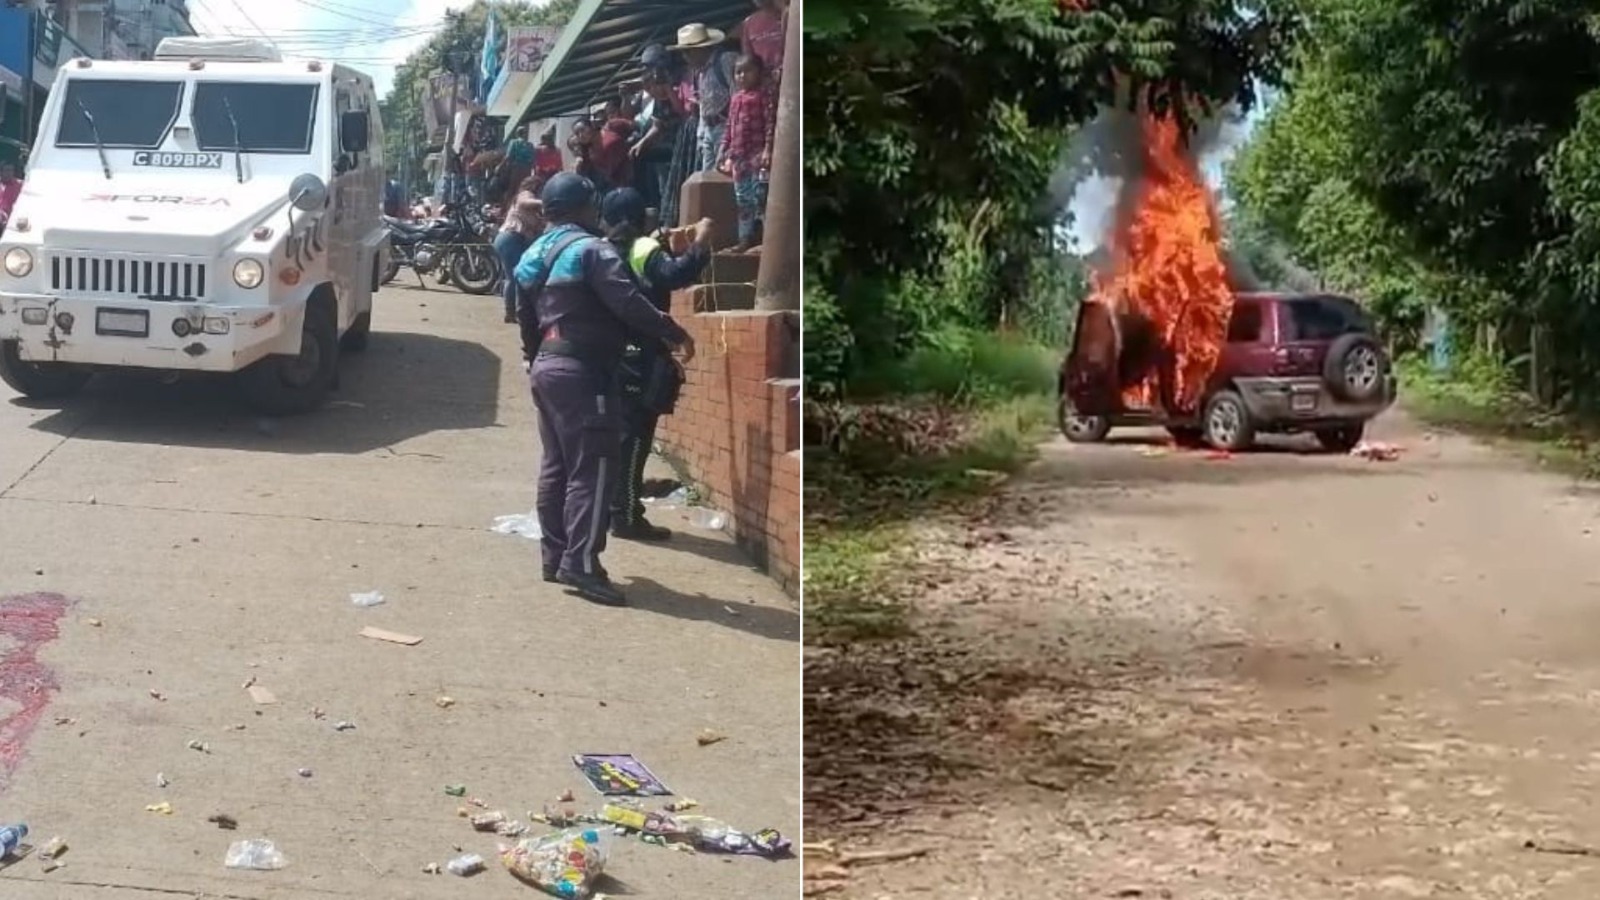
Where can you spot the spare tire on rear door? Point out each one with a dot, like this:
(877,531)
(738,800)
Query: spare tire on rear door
(1355,368)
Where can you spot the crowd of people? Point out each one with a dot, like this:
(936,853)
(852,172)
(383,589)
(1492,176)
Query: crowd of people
(593,253)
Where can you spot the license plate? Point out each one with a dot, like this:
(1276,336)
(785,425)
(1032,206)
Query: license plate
(122,322)
(1303,402)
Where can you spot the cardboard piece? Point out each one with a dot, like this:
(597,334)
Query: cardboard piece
(393,637)
(261,695)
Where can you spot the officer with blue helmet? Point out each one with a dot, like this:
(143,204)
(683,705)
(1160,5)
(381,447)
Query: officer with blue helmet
(579,308)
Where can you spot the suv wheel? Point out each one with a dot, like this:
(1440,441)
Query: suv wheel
(1355,368)
(1226,423)
(1081,429)
(1342,439)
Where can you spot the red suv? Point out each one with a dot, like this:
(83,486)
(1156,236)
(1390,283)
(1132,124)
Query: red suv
(1292,363)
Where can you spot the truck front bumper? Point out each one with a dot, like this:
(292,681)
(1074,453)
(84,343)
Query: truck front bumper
(146,334)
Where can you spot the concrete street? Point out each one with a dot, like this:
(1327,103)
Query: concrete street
(214,546)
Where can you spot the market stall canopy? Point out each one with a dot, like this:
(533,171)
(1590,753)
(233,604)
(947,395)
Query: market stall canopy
(599,50)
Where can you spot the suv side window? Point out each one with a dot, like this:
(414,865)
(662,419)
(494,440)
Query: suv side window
(1324,318)
(1244,326)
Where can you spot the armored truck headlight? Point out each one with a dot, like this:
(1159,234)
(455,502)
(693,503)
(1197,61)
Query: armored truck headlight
(247,273)
(19,262)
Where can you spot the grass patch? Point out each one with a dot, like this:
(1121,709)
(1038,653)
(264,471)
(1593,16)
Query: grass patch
(961,366)
(1479,399)
(860,501)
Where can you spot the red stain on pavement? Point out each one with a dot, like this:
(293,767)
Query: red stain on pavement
(27,623)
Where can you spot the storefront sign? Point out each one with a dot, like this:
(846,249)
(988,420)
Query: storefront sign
(528,46)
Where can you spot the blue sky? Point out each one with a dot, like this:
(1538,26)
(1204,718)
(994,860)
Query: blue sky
(374,36)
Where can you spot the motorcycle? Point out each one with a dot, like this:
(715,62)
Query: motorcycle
(457,246)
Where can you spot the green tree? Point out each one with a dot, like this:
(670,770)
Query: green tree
(457,46)
(933,128)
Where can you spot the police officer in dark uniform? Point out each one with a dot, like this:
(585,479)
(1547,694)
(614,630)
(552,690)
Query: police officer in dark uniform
(644,401)
(579,308)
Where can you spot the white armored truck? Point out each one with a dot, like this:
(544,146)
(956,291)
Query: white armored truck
(215,209)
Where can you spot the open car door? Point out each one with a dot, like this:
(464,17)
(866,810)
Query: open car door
(1089,378)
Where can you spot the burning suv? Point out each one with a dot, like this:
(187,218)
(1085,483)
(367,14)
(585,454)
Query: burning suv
(1291,363)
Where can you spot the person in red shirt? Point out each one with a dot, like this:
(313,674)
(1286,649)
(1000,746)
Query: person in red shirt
(546,158)
(610,165)
(10,190)
(746,151)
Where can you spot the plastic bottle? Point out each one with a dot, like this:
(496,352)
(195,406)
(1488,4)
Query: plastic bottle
(11,838)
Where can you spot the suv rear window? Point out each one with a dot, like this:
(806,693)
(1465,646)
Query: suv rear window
(1324,318)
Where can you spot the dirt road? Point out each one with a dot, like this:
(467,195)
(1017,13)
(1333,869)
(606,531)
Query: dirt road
(1277,676)
(213,547)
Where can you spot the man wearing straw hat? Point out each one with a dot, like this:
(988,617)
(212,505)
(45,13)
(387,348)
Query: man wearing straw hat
(711,63)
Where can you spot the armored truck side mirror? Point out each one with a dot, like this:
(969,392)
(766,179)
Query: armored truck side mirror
(353,128)
(307,193)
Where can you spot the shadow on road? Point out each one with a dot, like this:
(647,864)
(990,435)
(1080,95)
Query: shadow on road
(405,385)
(762,621)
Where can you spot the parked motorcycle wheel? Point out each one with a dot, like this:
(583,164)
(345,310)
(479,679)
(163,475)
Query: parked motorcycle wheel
(475,269)
(390,271)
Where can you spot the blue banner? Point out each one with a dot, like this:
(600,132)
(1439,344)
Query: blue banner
(14,58)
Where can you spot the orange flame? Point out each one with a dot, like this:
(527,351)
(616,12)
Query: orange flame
(1168,275)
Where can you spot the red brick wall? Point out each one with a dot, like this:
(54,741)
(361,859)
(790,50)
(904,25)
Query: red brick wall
(736,430)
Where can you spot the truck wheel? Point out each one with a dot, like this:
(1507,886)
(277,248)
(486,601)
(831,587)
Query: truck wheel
(39,381)
(359,334)
(290,385)
(1342,439)
(1355,368)
(1227,424)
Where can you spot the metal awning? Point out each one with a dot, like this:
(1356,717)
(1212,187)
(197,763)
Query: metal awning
(599,49)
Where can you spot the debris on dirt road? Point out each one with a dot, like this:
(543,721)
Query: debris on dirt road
(368,599)
(161,780)
(224,821)
(393,637)
(707,737)
(304,773)
(157,695)
(444,702)
(53,848)
(466,865)
(163,808)
(619,774)
(95,623)
(1560,848)
(456,790)
(344,726)
(259,855)
(200,746)
(520,525)
(565,863)
(261,695)
(1375,451)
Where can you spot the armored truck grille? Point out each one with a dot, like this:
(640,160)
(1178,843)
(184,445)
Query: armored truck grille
(161,279)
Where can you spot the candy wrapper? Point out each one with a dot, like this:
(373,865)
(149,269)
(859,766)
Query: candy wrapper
(564,864)
(619,774)
(716,836)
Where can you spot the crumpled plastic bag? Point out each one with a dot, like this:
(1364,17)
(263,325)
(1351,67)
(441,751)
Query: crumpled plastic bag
(524,525)
(564,864)
(257,854)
